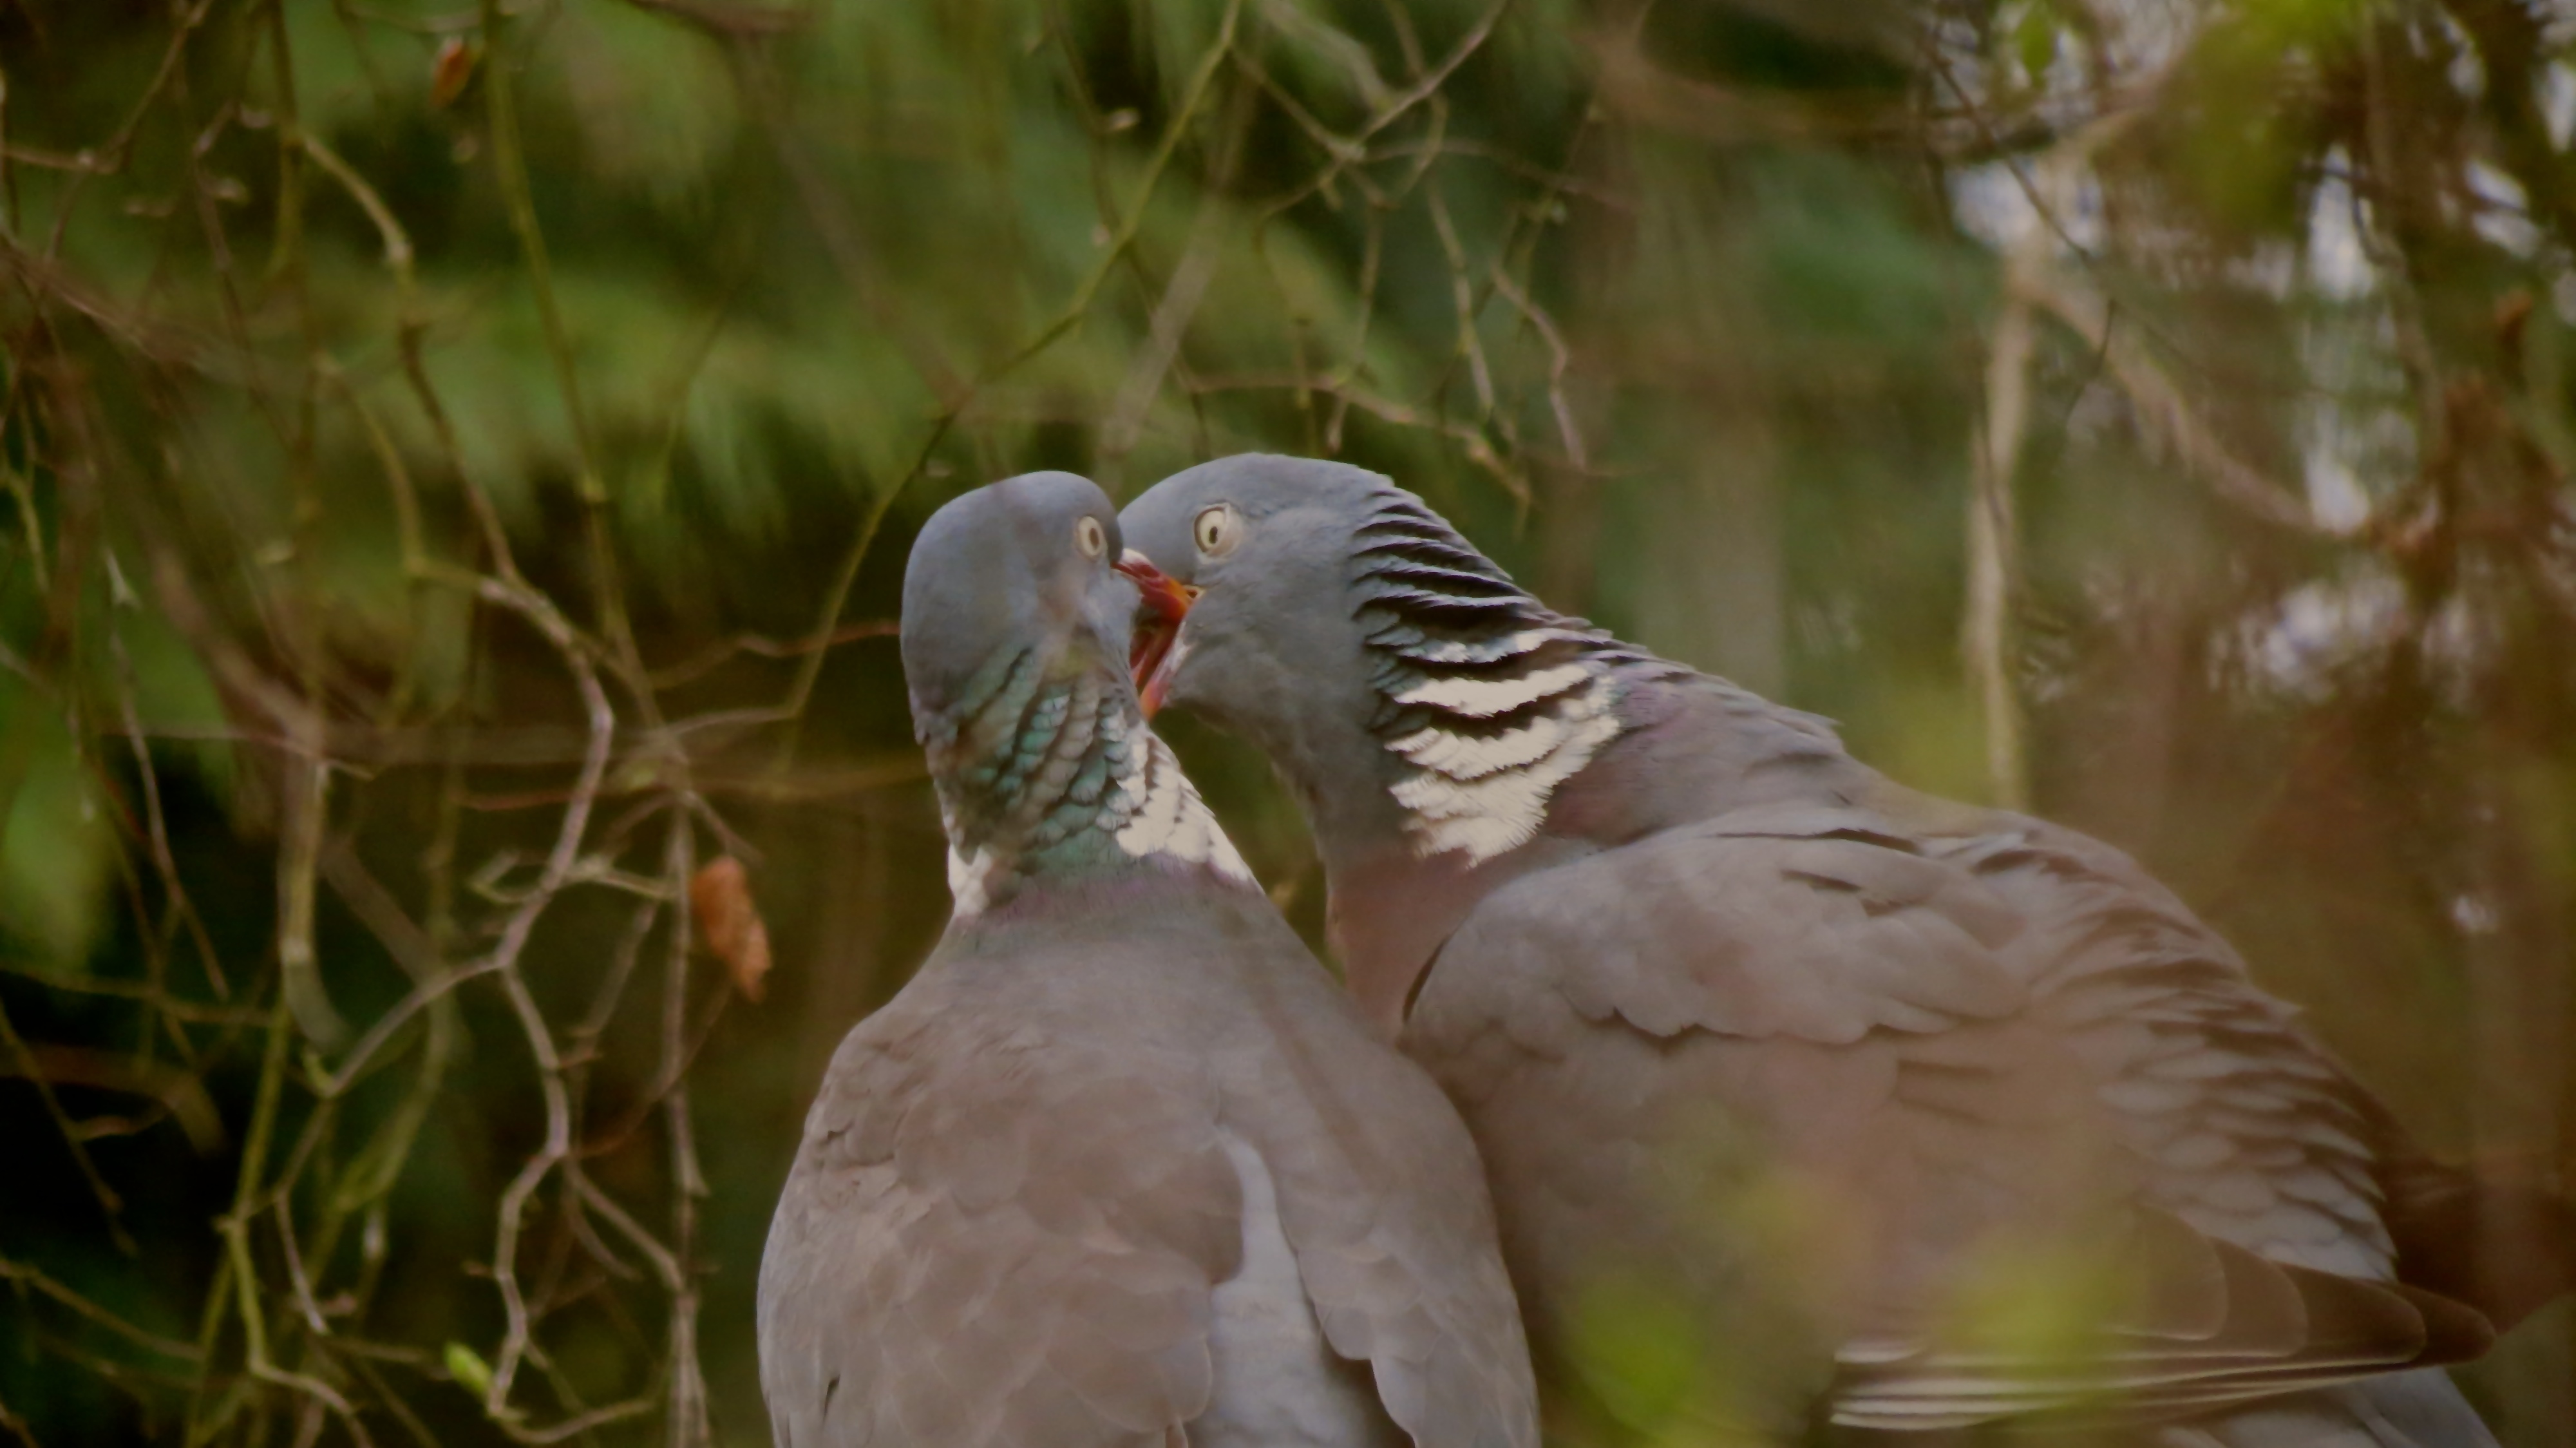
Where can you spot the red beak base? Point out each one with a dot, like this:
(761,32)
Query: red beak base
(1152,656)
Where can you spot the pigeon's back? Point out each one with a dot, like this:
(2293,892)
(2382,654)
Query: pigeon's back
(1130,1172)
(1995,1067)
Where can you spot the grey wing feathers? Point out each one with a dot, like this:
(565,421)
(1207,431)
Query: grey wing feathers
(2401,1410)
(2240,1123)
(1815,936)
(1385,1204)
(945,1269)
(2188,1341)
(1960,1044)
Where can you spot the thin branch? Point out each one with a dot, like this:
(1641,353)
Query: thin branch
(2162,403)
(28,1277)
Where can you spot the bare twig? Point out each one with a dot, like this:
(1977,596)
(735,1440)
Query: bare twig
(2159,400)
(29,1278)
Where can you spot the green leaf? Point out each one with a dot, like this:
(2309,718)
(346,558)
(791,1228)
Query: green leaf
(2035,38)
(470,1371)
(56,850)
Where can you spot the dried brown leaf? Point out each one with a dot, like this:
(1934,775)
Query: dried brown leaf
(730,923)
(453,67)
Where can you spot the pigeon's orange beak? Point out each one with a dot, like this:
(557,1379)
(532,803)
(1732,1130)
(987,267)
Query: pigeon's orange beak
(1152,657)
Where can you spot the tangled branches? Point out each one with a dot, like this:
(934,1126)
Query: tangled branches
(452,453)
(489,806)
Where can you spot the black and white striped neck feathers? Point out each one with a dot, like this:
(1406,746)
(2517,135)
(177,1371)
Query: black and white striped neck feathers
(1487,699)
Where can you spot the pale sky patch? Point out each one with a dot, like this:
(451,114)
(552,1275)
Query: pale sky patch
(2338,265)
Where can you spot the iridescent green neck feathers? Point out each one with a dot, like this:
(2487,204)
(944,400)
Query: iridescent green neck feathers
(1047,772)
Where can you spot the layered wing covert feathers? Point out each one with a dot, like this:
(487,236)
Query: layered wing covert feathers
(1911,1094)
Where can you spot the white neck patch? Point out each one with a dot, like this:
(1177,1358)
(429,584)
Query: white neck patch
(969,880)
(1161,810)
(1487,793)
(1151,810)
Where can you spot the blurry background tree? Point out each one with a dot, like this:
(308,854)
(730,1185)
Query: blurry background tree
(459,459)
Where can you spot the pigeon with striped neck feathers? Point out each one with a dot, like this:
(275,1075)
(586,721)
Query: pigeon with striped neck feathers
(1120,1165)
(1841,1086)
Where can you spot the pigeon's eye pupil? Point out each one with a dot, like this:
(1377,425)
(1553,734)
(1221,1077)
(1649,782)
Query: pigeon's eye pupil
(1090,537)
(1216,530)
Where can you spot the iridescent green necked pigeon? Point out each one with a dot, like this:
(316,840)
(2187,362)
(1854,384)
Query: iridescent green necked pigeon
(1850,1089)
(1120,1165)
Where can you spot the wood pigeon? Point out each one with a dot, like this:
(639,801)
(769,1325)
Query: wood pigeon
(1903,1113)
(1121,1164)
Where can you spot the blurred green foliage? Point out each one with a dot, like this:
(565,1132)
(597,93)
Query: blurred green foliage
(458,458)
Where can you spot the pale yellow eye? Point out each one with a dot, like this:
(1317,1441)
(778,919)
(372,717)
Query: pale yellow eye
(1090,537)
(1216,530)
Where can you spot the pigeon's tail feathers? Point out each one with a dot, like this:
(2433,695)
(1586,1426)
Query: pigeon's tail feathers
(2252,1334)
(2421,1409)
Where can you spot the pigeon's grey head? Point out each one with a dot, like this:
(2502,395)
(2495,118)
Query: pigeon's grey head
(1028,563)
(1398,678)
(1261,547)
(1017,606)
